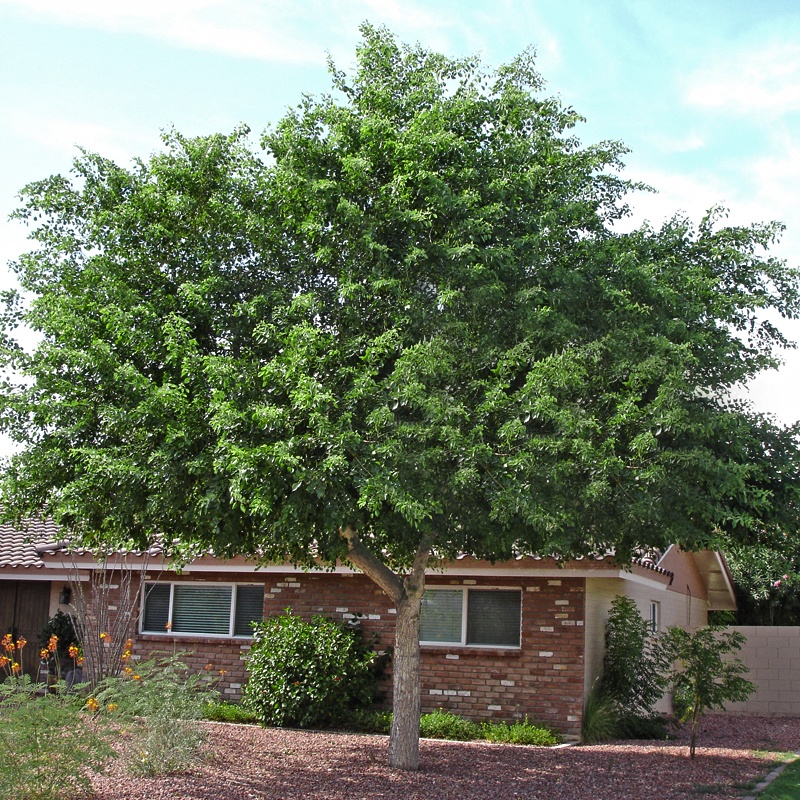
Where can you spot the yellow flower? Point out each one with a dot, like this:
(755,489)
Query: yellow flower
(112,707)
(21,642)
(8,642)
(137,677)
(4,660)
(103,635)
(44,652)
(15,667)
(73,651)
(168,626)
(92,704)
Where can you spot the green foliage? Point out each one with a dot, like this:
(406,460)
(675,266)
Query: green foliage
(228,712)
(447,725)
(634,672)
(164,744)
(162,685)
(600,718)
(365,720)
(520,732)
(307,673)
(48,747)
(767,580)
(161,700)
(443,724)
(705,676)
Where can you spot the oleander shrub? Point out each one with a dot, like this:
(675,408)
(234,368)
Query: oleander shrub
(308,673)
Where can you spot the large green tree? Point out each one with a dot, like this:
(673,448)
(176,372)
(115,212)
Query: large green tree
(409,331)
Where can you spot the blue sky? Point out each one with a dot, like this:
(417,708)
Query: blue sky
(705,93)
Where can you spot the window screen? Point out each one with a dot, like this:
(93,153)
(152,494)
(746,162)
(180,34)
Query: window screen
(156,607)
(201,609)
(249,609)
(440,620)
(493,617)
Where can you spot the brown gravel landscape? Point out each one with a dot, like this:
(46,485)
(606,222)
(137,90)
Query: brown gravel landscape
(250,762)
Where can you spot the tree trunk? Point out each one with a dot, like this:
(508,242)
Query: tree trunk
(404,736)
(406,593)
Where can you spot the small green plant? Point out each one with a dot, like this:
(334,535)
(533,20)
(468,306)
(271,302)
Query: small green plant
(600,718)
(58,643)
(50,743)
(446,725)
(308,673)
(228,712)
(705,676)
(161,699)
(520,732)
(365,720)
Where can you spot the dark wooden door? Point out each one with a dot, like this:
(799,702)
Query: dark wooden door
(24,611)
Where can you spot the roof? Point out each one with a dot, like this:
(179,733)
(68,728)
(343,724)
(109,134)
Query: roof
(18,547)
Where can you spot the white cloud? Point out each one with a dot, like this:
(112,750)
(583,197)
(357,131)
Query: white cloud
(760,78)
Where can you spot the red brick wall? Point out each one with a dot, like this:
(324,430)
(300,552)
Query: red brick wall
(542,680)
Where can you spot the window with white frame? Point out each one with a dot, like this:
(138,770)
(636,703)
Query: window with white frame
(207,609)
(477,617)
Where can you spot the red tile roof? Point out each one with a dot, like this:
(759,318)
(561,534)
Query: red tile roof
(18,547)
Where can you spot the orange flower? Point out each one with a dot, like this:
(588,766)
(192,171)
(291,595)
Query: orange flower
(73,651)
(223,672)
(4,661)
(209,666)
(129,644)
(8,642)
(168,626)
(112,707)
(128,671)
(92,704)
(103,635)
(44,652)
(137,677)
(80,661)
(52,645)
(15,667)
(21,642)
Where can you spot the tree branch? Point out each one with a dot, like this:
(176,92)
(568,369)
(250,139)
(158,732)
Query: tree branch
(363,558)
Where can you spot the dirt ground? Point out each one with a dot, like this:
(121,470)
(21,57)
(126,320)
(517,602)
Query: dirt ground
(250,762)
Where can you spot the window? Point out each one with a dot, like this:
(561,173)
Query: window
(655,617)
(208,609)
(478,617)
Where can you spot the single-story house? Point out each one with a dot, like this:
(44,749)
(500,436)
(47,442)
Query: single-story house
(503,640)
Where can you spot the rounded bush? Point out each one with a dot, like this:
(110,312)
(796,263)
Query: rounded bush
(307,673)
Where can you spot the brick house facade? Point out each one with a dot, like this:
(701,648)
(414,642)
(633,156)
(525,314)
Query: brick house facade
(544,673)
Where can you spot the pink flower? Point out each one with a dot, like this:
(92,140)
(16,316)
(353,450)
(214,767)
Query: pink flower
(777,583)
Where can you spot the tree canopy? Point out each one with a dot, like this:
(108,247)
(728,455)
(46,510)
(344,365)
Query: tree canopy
(412,321)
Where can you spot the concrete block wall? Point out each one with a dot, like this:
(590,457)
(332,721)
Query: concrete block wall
(773,656)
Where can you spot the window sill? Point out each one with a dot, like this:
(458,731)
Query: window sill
(474,651)
(192,638)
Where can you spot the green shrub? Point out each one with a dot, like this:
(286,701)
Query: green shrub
(446,725)
(364,720)
(522,732)
(162,699)
(228,712)
(48,746)
(307,673)
(164,745)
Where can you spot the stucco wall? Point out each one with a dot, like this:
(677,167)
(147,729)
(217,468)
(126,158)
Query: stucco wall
(773,656)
